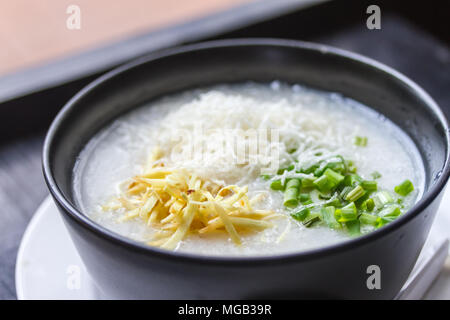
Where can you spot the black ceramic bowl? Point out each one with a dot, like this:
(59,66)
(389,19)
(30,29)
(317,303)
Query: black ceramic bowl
(123,268)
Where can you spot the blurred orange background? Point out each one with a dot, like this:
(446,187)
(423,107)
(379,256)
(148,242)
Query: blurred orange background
(35,32)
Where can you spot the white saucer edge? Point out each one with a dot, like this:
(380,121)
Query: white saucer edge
(428,267)
(25,238)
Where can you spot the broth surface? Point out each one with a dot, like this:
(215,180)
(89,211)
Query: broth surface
(120,151)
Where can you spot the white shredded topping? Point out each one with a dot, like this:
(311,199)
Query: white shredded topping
(216,118)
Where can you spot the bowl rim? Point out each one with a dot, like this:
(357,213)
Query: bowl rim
(249,261)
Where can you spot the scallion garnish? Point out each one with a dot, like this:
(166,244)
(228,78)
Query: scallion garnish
(289,168)
(308,182)
(344,192)
(303,197)
(369,219)
(277,185)
(390,211)
(328,217)
(334,202)
(352,180)
(381,221)
(354,228)
(347,213)
(350,166)
(382,198)
(311,219)
(291,193)
(360,141)
(405,188)
(368,205)
(355,193)
(369,185)
(331,191)
(322,183)
(334,177)
(301,214)
(376,175)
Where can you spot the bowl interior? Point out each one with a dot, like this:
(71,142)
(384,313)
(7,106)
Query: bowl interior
(247,60)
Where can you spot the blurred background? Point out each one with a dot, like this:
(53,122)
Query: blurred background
(50,49)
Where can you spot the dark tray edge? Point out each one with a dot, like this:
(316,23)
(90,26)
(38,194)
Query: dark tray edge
(99,60)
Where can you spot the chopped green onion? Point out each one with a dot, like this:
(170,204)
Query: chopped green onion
(301,214)
(390,211)
(310,169)
(360,201)
(354,228)
(360,141)
(404,188)
(293,183)
(347,213)
(381,221)
(345,191)
(352,180)
(290,198)
(350,166)
(311,219)
(368,205)
(335,203)
(376,175)
(303,197)
(315,195)
(355,194)
(308,182)
(291,193)
(332,164)
(382,198)
(369,185)
(339,167)
(319,171)
(289,168)
(334,177)
(277,185)
(325,196)
(369,219)
(328,217)
(332,192)
(322,183)
(328,181)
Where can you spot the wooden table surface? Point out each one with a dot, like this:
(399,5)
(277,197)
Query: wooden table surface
(35,32)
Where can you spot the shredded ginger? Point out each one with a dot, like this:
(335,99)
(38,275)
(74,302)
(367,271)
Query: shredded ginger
(176,202)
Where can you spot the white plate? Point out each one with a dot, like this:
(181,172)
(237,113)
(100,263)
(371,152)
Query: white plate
(49,267)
